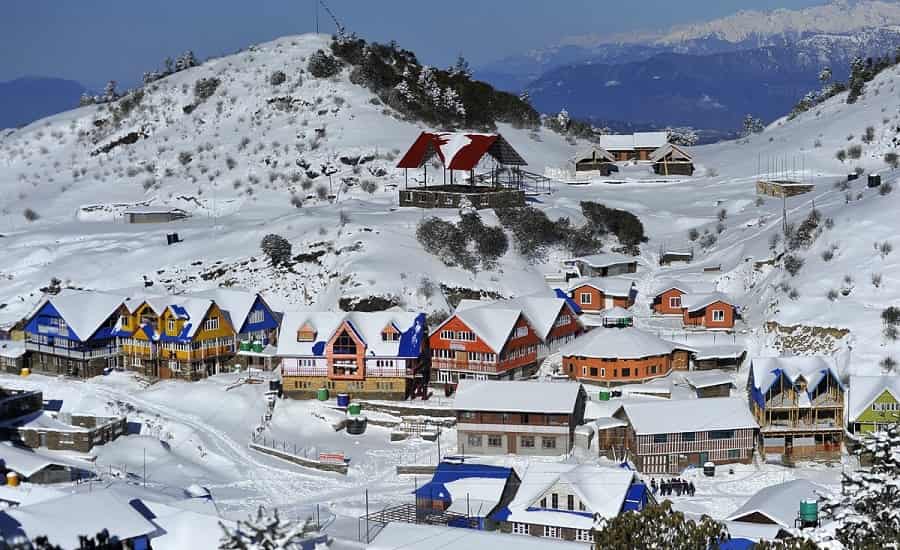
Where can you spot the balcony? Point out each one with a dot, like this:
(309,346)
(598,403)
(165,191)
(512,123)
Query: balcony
(466,366)
(80,354)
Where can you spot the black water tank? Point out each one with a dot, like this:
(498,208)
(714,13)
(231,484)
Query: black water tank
(874,180)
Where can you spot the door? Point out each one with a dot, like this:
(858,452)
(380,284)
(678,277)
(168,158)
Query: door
(608,302)
(462,359)
(704,458)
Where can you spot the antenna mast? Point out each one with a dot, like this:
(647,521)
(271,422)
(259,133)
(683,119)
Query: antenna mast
(340,30)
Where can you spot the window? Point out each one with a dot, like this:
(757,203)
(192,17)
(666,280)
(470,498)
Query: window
(524,418)
(626,371)
(554,501)
(474,440)
(718,315)
(721,434)
(551,532)
(548,442)
(171,325)
(688,436)
(584,535)
(526,442)
(660,438)
(674,302)
(652,369)
(581,507)
(519,529)
(344,345)
(521,332)
(586,298)
(465,336)
(734,453)
(495,441)
(593,371)
(211,324)
(570,502)
(257,316)
(602,373)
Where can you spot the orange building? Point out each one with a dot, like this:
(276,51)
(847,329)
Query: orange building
(622,356)
(667,301)
(601,293)
(485,343)
(712,311)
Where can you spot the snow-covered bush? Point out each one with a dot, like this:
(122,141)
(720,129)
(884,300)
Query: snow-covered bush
(621,223)
(892,159)
(322,65)
(205,88)
(854,152)
(446,241)
(841,155)
(876,279)
(885,189)
(693,234)
(30,214)
(792,264)
(277,78)
(277,248)
(267,531)
(708,240)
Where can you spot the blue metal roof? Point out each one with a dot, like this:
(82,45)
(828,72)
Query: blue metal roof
(447,472)
(318,348)
(736,544)
(411,340)
(636,498)
(565,296)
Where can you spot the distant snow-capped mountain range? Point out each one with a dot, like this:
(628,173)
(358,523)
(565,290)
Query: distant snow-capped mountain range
(778,54)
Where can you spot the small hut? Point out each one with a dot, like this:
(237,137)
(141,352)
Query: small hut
(672,160)
(491,168)
(597,161)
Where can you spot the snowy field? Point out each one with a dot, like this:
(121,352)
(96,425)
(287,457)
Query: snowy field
(240,185)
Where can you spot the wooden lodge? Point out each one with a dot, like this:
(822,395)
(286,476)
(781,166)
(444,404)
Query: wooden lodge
(672,160)
(637,146)
(599,293)
(596,161)
(799,404)
(481,170)
(783,188)
(524,418)
(667,436)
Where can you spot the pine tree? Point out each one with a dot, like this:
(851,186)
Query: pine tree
(109,93)
(277,248)
(866,509)
(461,67)
(752,125)
(658,526)
(266,531)
(186,61)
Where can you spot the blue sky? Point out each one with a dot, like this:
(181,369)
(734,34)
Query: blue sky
(95,40)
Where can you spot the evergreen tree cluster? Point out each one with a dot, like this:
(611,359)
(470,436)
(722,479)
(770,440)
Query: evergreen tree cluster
(469,244)
(277,249)
(267,531)
(535,233)
(170,66)
(443,98)
(562,123)
(621,223)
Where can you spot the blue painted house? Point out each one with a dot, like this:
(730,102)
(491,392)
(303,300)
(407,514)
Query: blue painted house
(468,493)
(73,333)
(565,501)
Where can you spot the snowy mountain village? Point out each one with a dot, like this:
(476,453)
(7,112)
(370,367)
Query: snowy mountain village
(316,294)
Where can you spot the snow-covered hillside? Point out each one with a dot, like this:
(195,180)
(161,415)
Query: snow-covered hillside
(311,159)
(257,153)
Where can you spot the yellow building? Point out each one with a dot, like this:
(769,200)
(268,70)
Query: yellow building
(176,337)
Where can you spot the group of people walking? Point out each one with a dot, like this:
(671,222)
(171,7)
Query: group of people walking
(674,486)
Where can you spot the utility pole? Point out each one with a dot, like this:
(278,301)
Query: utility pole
(316,4)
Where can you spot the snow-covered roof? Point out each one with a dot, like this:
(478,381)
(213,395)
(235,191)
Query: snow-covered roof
(493,325)
(780,503)
(541,310)
(752,531)
(27,493)
(501,396)
(154,210)
(460,151)
(41,420)
(685,287)
(63,520)
(157,302)
(12,349)
(368,326)
(707,378)
(695,302)
(413,536)
(598,153)
(237,303)
(192,310)
(475,497)
(84,310)
(604,259)
(623,343)
(630,142)
(719,352)
(26,461)
(602,490)
(613,286)
(181,528)
(689,415)
(677,153)
(811,368)
(864,390)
